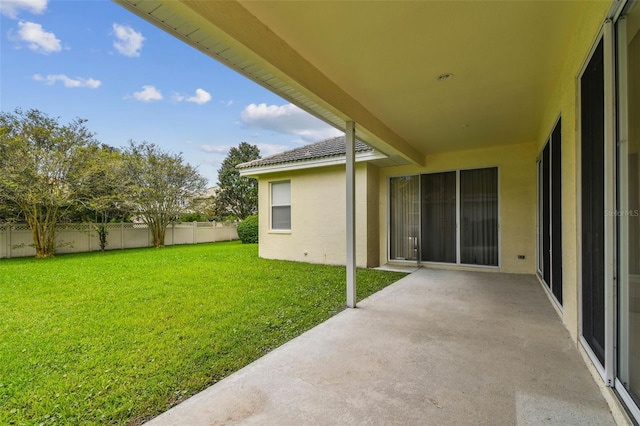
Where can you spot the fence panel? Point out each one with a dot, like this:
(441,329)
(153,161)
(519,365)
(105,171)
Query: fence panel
(75,238)
(4,235)
(206,232)
(135,235)
(182,234)
(16,240)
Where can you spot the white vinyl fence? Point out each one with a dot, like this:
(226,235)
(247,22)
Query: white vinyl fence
(16,240)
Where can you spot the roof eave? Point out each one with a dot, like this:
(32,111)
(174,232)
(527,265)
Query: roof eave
(229,33)
(310,164)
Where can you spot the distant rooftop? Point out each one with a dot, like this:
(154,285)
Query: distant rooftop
(334,147)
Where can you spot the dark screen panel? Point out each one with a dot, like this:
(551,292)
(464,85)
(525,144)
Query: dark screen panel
(556,217)
(592,185)
(546,217)
(439,217)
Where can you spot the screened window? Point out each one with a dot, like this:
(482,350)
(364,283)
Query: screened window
(281,205)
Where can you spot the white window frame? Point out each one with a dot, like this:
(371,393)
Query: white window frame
(272,205)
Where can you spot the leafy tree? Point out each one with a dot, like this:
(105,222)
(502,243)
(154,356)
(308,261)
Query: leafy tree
(238,195)
(41,163)
(160,185)
(101,189)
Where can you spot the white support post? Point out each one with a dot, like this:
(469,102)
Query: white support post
(351,213)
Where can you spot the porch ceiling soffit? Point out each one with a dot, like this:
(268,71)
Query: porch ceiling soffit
(377,63)
(229,33)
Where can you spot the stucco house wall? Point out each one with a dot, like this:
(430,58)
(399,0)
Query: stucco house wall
(318,219)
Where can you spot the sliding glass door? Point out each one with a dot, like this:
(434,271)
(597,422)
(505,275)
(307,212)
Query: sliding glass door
(479,217)
(448,217)
(404,217)
(593,203)
(628,214)
(439,217)
(550,213)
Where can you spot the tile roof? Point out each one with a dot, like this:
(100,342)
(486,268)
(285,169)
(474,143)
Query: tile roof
(333,147)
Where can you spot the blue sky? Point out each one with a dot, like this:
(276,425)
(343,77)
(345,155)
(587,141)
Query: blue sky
(130,80)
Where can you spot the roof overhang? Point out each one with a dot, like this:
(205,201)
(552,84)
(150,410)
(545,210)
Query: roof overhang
(378,63)
(309,164)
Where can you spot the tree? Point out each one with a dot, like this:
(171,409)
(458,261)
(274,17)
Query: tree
(238,195)
(41,162)
(160,185)
(100,193)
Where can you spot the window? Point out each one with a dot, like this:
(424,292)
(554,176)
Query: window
(281,205)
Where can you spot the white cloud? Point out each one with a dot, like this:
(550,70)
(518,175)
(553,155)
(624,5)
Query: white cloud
(201,97)
(148,94)
(37,38)
(51,79)
(128,41)
(11,8)
(287,119)
(267,149)
(215,149)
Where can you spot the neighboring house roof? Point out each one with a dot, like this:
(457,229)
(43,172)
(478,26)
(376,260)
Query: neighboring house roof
(328,149)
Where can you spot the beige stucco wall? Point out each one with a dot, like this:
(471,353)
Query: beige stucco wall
(517,199)
(563,101)
(318,216)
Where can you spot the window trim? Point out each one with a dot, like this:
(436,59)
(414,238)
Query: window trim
(272,205)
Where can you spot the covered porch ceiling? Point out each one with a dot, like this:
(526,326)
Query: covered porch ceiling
(378,63)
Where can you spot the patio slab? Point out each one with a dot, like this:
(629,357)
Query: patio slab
(437,347)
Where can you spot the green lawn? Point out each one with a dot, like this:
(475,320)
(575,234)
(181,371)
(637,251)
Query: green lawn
(121,336)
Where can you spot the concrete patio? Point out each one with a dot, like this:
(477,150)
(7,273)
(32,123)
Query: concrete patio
(437,347)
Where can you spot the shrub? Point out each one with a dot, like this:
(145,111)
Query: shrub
(248,230)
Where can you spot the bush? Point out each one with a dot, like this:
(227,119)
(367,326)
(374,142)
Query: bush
(248,230)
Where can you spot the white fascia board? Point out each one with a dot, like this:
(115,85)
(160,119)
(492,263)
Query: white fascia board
(309,164)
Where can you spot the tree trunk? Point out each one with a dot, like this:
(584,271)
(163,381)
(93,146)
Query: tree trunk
(43,237)
(157,233)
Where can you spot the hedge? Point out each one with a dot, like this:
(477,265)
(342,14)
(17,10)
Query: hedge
(248,230)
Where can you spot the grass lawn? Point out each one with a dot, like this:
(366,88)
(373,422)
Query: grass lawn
(121,336)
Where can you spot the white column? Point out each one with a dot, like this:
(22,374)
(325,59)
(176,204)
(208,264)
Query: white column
(351,213)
